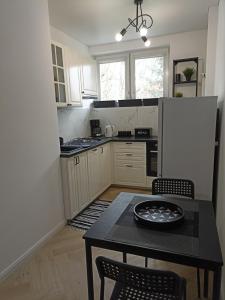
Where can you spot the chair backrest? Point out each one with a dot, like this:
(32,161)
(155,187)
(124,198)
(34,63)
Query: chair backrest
(181,187)
(155,281)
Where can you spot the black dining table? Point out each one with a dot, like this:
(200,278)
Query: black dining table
(194,242)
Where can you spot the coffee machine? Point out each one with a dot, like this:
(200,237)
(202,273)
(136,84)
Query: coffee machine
(96,130)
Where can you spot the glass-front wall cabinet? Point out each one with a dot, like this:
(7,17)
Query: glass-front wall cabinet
(59,74)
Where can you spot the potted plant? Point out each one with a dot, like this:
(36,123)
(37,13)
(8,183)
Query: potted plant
(188,73)
(179,95)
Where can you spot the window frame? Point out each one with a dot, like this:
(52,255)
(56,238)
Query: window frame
(129,59)
(110,59)
(156,52)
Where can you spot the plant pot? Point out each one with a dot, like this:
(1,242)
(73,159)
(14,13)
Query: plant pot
(188,77)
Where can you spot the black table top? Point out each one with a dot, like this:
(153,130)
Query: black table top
(194,243)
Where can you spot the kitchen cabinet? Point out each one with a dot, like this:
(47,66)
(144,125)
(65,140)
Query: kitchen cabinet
(75,184)
(74,78)
(88,175)
(89,78)
(59,74)
(94,172)
(105,167)
(75,75)
(130,163)
(99,170)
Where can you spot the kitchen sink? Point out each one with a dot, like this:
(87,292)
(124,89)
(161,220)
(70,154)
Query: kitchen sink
(81,143)
(69,148)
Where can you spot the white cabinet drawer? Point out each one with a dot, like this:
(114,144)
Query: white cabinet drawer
(129,157)
(130,164)
(129,147)
(134,176)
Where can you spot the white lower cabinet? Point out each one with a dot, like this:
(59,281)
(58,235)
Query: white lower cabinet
(89,174)
(93,173)
(130,163)
(99,170)
(75,184)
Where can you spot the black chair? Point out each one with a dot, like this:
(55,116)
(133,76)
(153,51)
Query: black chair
(180,187)
(139,283)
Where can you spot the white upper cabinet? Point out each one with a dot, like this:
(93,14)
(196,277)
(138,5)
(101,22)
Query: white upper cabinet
(59,73)
(75,75)
(89,78)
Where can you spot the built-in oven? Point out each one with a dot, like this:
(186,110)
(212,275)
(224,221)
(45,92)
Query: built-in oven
(152,157)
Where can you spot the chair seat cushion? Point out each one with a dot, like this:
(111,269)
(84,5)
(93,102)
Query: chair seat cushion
(121,292)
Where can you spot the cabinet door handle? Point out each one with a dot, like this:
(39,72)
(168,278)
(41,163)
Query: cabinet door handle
(129,143)
(102,149)
(129,154)
(129,166)
(78,160)
(75,161)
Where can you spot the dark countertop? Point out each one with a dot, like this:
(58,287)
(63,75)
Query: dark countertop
(105,140)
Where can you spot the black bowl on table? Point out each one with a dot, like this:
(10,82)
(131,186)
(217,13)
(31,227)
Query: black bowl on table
(158,214)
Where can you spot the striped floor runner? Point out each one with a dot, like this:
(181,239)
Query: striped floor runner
(90,215)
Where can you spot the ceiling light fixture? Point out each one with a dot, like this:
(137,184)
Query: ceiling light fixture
(141,23)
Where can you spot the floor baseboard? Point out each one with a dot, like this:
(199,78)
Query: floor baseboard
(20,260)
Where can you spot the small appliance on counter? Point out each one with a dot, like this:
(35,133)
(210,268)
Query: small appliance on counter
(124,133)
(110,130)
(96,130)
(143,132)
(61,141)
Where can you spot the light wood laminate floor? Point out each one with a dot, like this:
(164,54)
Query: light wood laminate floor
(57,270)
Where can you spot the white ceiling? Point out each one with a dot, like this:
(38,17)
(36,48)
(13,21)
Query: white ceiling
(94,22)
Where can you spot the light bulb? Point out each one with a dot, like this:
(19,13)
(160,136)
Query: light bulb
(118,37)
(143,31)
(147,43)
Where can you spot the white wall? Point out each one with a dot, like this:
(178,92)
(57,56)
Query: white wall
(182,45)
(66,40)
(211,50)
(128,118)
(220,91)
(31,199)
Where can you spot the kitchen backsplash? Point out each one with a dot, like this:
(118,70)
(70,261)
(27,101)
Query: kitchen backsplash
(128,118)
(74,122)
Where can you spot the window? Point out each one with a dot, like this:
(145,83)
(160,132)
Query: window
(136,75)
(113,74)
(112,80)
(149,77)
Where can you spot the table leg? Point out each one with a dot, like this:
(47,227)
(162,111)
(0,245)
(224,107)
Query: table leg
(206,283)
(89,267)
(124,257)
(216,284)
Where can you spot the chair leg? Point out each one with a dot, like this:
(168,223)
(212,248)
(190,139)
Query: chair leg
(124,257)
(199,283)
(206,283)
(185,292)
(102,289)
(146,262)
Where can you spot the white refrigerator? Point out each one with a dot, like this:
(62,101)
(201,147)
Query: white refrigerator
(186,146)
